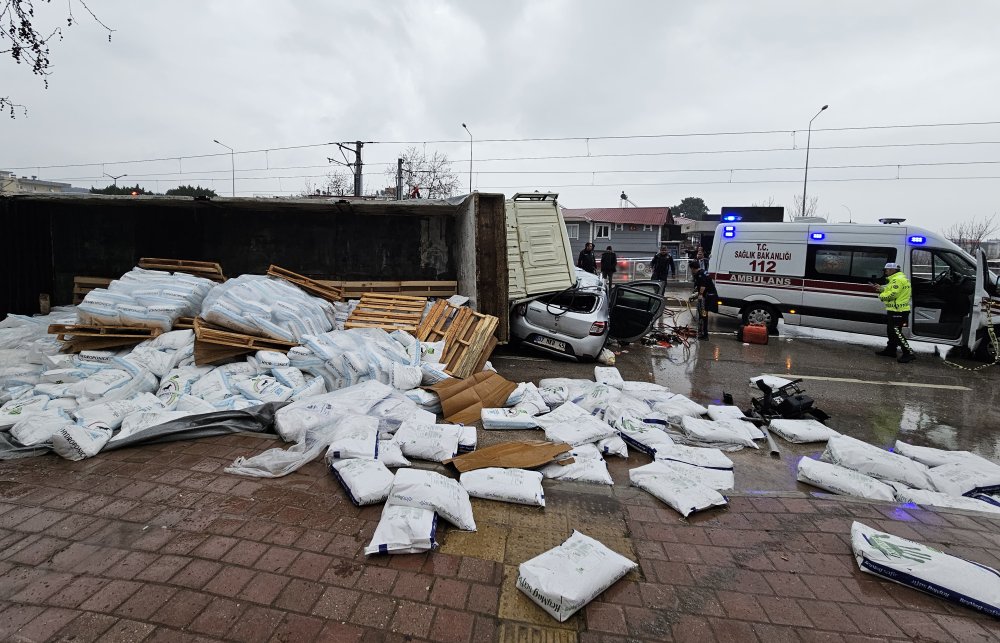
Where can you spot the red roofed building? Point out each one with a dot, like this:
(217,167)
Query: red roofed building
(632,232)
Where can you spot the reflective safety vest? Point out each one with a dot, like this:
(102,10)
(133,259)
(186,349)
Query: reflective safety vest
(896,294)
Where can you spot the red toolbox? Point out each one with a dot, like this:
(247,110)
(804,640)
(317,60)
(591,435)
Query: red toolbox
(754,334)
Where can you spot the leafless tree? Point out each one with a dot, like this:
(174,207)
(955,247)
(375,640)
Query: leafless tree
(20,35)
(333,184)
(971,233)
(810,209)
(431,174)
(768,203)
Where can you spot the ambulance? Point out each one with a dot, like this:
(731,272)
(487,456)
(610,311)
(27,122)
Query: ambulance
(818,274)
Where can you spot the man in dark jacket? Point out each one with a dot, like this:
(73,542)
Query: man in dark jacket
(662,264)
(609,265)
(708,296)
(586,261)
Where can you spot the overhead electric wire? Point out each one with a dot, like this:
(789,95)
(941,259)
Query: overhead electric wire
(754,182)
(505,140)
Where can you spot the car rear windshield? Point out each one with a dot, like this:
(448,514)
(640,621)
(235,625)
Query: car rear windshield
(573,301)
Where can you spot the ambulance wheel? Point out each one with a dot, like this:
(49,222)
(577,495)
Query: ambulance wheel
(761,313)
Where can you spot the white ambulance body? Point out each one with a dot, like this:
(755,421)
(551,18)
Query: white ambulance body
(819,275)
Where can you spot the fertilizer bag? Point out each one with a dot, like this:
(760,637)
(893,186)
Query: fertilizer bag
(506,485)
(837,479)
(802,431)
(926,569)
(403,530)
(682,493)
(873,461)
(564,579)
(433,491)
(366,481)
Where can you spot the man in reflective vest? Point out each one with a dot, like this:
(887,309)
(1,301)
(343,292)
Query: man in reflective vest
(895,295)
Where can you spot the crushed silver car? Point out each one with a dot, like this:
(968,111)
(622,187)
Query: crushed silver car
(579,321)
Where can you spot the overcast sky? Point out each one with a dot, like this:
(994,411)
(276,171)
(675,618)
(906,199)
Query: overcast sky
(262,74)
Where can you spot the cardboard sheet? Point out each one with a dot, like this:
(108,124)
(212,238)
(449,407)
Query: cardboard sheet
(462,401)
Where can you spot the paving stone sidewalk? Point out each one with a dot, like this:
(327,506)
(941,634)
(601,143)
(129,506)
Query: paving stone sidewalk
(158,544)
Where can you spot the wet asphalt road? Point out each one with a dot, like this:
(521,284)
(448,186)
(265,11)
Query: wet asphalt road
(868,397)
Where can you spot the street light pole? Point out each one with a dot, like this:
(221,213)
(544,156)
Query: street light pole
(115,178)
(232,161)
(470,157)
(805,180)
(850,215)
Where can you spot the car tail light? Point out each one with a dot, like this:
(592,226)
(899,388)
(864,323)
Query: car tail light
(598,328)
(521,309)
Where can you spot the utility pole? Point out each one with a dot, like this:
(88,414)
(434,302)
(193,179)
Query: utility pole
(358,186)
(399,179)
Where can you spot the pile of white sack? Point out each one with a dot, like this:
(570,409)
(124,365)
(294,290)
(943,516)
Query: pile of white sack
(268,307)
(908,474)
(147,298)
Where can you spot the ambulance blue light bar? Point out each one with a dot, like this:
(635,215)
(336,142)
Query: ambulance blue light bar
(729,231)
(817,236)
(732,217)
(918,240)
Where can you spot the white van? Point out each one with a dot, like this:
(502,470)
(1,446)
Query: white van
(819,275)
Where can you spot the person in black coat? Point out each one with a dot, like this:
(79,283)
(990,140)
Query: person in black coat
(586,261)
(609,265)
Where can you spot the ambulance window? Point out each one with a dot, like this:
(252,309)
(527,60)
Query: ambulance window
(847,263)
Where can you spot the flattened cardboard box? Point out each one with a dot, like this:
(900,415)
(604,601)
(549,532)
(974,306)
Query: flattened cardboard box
(463,400)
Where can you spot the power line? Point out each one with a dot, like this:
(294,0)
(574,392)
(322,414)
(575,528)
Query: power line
(753,182)
(180,158)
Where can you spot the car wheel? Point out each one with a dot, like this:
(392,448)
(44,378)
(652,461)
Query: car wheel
(761,313)
(986,351)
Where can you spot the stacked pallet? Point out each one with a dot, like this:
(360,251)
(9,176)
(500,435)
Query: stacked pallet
(83,285)
(468,336)
(355,289)
(388,312)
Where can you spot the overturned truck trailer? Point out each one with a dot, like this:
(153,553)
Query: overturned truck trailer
(54,239)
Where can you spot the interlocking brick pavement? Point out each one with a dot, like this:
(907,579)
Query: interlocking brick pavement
(159,544)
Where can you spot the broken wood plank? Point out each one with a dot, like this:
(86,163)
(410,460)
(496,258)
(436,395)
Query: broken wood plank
(207,269)
(208,353)
(208,333)
(83,285)
(139,333)
(390,312)
(311,286)
(520,454)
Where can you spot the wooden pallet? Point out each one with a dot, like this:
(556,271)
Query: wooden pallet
(311,286)
(214,343)
(184,323)
(467,341)
(92,337)
(206,269)
(355,289)
(435,324)
(83,285)
(388,312)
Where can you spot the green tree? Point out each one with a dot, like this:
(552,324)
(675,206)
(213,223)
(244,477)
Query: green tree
(190,190)
(120,190)
(692,207)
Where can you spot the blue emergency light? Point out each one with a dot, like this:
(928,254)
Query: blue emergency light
(817,236)
(732,217)
(729,231)
(918,240)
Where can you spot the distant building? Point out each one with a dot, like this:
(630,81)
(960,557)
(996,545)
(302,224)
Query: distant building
(10,183)
(632,232)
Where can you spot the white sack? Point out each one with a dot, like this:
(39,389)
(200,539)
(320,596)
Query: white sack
(724,412)
(573,425)
(614,445)
(40,427)
(294,420)
(554,396)
(590,470)
(564,579)
(403,530)
(435,492)
(681,492)
(966,476)
(507,419)
(532,401)
(467,438)
(873,461)
(630,386)
(391,455)
(506,485)
(718,479)
(837,479)
(718,432)
(926,569)
(75,442)
(17,409)
(802,431)
(609,376)
(265,389)
(110,415)
(434,442)
(697,456)
(140,420)
(935,457)
(938,499)
(366,482)
(353,436)
(647,438)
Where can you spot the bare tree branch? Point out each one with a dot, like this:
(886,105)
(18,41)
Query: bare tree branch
(810,209)
(970,234)
(430,174)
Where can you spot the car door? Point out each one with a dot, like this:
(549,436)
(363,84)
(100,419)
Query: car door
(634,308)
(981,302)
(944,284)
